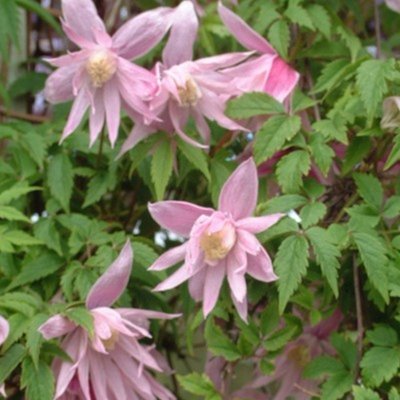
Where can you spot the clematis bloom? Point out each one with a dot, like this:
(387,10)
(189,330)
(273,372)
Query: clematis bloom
(220,242)
(4,331)
(99,76)
(187,88)
(112,363)
(266,72)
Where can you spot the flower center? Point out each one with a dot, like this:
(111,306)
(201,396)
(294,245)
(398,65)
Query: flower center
(190,93)
(218,244)
(300,355)
(101,66)
(109,343)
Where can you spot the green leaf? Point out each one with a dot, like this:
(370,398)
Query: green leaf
(334,129)
(98,187)
(253,104)
(322,365)
(280,338)
(322,153)
(269,318)
(46,231)
(279,36)
(61,179)
(361,393)
(15,192)
(371,82)
(39,382)
(394,155)
(380,364)
(291,168)
(161,167)
(21,302)
(311,213)
(10,360)
(273,135)
(370,189)
(43,266)
(283,203)
(346,349)
(392,207)
(12,214)
(337,385)
(31,5)
(331,74)
(291,265)
(9,26)
(199,384)
(358,149)
(36,146)
(220,344)
(298,15)
(82,317)
(320,19)
(327,256)
(34,338)
(195,156)
(394,394)
(383,335)
(21,238)
(373,256)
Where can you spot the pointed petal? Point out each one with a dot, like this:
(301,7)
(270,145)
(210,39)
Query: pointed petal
(112,105)
(81,16)
(138,313)
(56,326)
(248,242)
(177,216)
(98,375)
(246,36)
(202,126)
(236,269)
(96,118)
(241,307)
(4,329)
(196,284)
(169,258)
(141,33)
(212,286)
(178,277)
(59,85)
(222,60)
(259,224)
(260,267)
(239,193)
(179,47)
(83,375)
(139,132)
(109,287)
(281,80)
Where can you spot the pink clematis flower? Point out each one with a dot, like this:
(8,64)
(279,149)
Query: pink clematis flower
(110,364)
(4,331)
(187,88)
(265,73)
(221,242)
(99,76)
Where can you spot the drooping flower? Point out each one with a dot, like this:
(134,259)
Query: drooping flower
(112,363)
(221,242)
(266,72)
(4,331)
(100,75)
(391,113)
(393,5)
(188,88)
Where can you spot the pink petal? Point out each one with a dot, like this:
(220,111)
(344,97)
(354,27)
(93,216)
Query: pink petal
(202,126)
(59,85)
(177,216)
(179,47)
(79,107)
(56,326)
(260,267)
(145,314)
(212,286)
(246,36)
(141,33)
(98,375)
(109,287)
(222,60)
(196,284)
(81,16)
(96,118)
(115,380)
(239,193)
(281,80)
(178,277)
(169,258)
(112,105)
(248,242)
(76,38)
(83,375)
(241,307)
(259,224)
(393,4)
(4,329)
(236,269)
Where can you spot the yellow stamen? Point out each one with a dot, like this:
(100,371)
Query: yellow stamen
(217,245)
(101,66)
(109,343)
(189,94)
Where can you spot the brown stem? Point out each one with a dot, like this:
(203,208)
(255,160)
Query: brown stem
(24,116)
(378,36)
(360,324)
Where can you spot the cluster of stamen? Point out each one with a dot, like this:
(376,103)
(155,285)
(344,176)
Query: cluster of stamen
(110,343)
(217,245)
(101,66)
(189,94)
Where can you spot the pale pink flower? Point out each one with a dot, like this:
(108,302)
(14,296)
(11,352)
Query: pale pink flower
(393,5)
(4,331)
(111,364)
(99,76)
(187,88)
(221,242)
(262,73)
